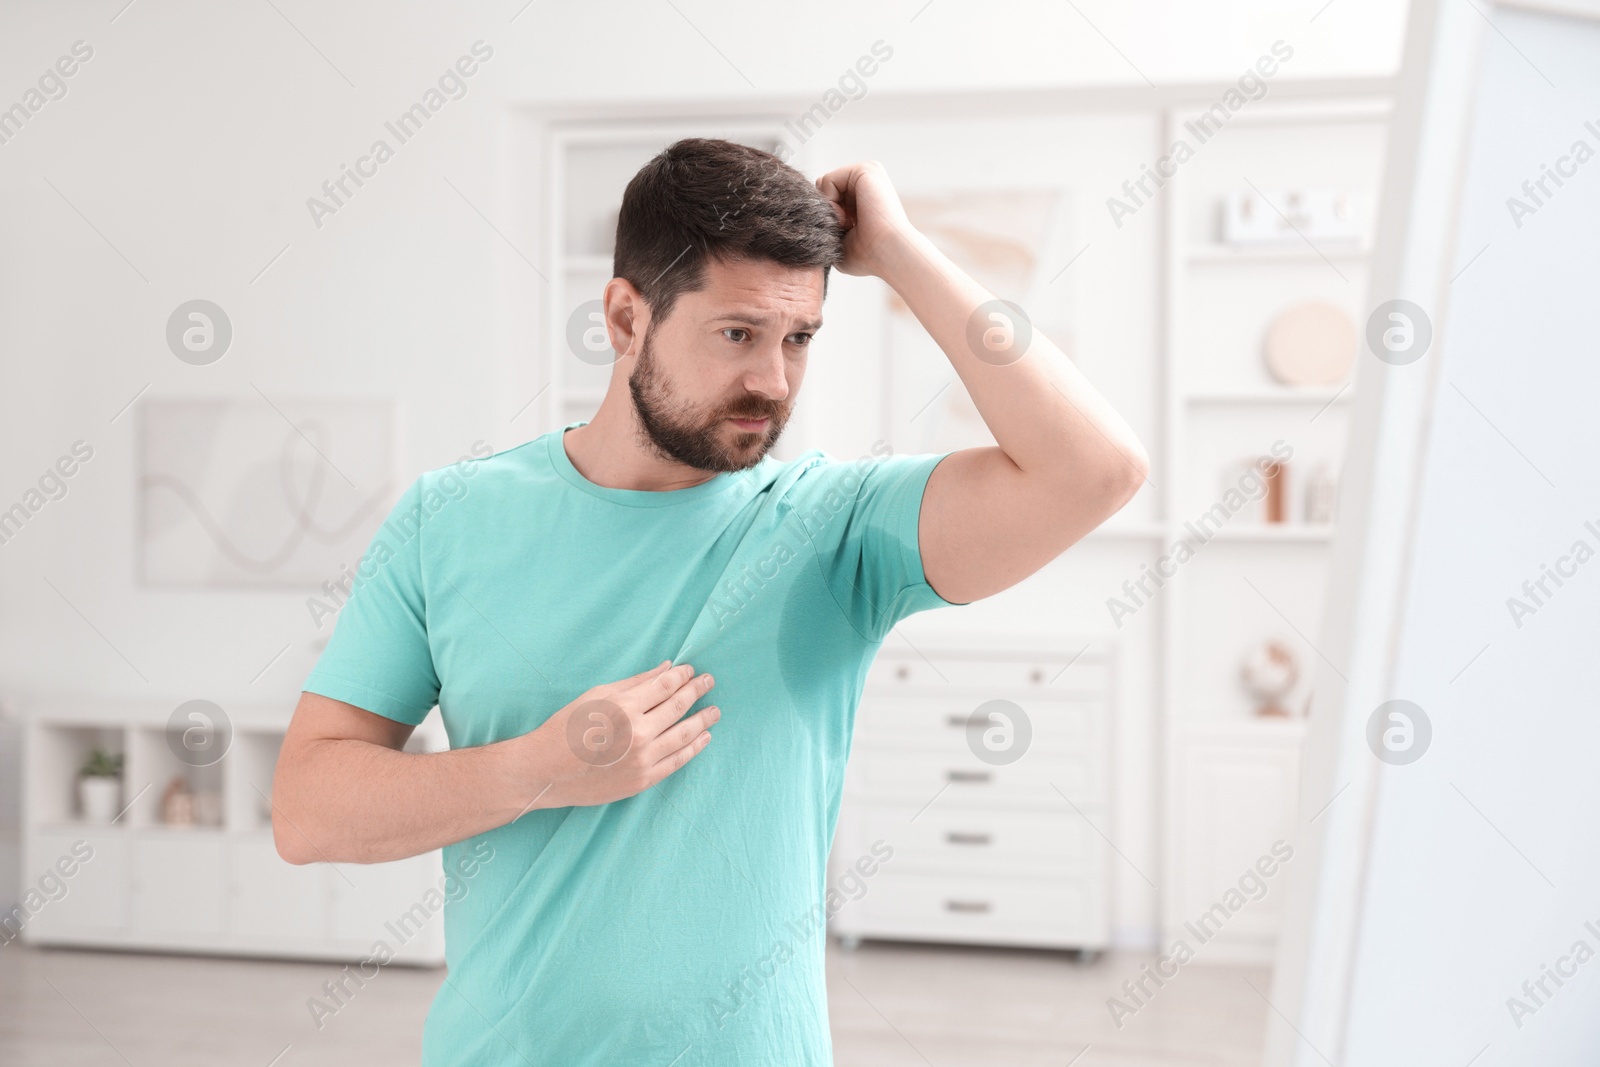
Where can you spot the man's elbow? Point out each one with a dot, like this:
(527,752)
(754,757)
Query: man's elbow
(1127,475)
(290,842)
(287,837)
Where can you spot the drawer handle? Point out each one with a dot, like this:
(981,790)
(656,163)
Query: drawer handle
(958,721)
(973,907)
(955,837)
(902,672)
(968,776)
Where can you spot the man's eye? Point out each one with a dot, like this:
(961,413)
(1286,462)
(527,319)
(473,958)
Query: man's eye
(806,338)
(735,329)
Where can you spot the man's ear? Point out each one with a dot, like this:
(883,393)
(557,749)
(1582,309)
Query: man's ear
(627,317)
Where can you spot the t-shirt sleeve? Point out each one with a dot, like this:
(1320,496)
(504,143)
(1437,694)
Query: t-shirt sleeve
(862,519)
(378,657)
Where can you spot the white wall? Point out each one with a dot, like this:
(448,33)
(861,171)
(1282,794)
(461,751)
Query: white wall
(188,145)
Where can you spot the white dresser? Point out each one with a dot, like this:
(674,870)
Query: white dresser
(994,820)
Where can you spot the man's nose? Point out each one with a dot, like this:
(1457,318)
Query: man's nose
(769,380)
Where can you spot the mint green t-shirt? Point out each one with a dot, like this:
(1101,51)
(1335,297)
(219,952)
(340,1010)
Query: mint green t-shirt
(683,925)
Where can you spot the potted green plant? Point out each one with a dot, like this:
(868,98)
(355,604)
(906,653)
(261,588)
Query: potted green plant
(100,786)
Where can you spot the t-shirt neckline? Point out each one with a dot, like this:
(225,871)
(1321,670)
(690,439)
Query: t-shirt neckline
(634,498)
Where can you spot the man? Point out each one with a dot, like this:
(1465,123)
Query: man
(587,608)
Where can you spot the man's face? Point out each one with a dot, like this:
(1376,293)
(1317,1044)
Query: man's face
(734,350)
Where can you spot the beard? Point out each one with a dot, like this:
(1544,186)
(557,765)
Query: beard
(703,442)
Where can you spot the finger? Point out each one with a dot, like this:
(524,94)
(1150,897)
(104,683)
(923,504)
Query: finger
(835,188)
(837,185)
(647,690)
(657,719)
(674,761)
(686,730)
(645,675)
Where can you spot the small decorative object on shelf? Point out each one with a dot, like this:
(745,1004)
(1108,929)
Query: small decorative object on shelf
(1268,672)
(1322,494)
(177,803)
(1311,344)
(1255,489)
(1290,216)
(100,786)
(1276,475)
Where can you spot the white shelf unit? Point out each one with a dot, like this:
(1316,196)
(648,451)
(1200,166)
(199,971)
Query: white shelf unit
(1220,254)
(1230,776)
(587,167)
(215,889)
(1284,394)
(1009,854)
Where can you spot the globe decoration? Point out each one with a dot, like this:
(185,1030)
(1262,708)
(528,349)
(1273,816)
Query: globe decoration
(1268,672)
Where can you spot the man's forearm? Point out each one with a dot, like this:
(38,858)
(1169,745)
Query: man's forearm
(344,792)
(353,801)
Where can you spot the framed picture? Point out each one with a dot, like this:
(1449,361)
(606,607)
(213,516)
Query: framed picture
(1011,241)
(258,492)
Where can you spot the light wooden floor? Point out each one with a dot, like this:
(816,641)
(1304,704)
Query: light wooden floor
(891,1004)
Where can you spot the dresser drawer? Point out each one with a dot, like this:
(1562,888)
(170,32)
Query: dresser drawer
(1054,843)
(1062,676)
(1030,911)
(958,778)
(936,721)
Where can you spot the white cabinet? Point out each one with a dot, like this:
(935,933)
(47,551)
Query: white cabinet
(986,824)
(272,899)
(983,908)
(178,884)
(77,881)
(215,888)
(1235,792)
(397,903)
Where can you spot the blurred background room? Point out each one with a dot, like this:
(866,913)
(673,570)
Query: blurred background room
(232,331)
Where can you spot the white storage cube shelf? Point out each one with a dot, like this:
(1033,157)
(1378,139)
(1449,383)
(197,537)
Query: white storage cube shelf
(984,853)
(216,889)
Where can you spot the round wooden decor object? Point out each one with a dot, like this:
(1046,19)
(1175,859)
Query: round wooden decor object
(1311,344)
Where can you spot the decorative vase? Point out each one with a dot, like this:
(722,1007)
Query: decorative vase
(99,798)
(1269,671)
(177,803)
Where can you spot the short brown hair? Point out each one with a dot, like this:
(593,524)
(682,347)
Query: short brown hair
(701,199)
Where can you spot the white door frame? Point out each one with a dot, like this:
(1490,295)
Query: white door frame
(1413,253)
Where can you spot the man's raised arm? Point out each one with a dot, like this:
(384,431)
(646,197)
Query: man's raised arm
(1065,461)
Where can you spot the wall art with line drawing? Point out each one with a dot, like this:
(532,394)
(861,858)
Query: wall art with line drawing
(249,491)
